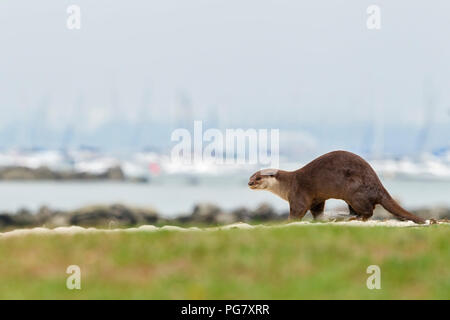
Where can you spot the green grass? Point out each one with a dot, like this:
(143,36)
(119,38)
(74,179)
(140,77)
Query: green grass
(297,262)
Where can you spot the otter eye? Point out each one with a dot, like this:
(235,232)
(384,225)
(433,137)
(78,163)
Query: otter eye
(259,178)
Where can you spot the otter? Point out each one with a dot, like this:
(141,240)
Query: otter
(339,175)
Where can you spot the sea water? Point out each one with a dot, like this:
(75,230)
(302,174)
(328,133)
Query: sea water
(176,195)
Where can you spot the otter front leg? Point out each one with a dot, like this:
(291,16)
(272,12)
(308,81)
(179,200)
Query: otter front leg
(297,211)
(317,210)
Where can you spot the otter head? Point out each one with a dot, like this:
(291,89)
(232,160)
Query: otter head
(265,179)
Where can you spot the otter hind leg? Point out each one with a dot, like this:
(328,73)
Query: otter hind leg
(352,211)
(317,210)
(362,208)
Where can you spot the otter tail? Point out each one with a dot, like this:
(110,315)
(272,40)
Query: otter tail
(393,207)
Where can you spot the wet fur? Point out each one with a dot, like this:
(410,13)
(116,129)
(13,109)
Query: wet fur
(339,175)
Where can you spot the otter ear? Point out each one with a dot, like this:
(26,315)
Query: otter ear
(269,172)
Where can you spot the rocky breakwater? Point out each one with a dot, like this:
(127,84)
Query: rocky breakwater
(117,215)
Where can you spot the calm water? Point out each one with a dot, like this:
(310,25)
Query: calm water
(175,195)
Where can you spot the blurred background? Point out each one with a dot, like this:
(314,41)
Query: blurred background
(86,115)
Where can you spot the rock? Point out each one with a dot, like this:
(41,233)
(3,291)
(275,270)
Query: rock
(284,215)
(24,218)
(117,214)
(205,212)
(208,213)
(225,218)
(264,212)
(433,213)
(6,220)
(58,219)
(241,214)
(44,214)
(182,218)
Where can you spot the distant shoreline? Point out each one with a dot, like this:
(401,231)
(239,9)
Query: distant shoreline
(20,173)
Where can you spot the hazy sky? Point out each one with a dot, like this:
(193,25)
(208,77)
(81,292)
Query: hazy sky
(255,62)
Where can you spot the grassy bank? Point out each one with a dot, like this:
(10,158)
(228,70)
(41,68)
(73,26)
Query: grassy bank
(295,262)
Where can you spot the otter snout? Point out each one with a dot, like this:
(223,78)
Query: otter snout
(252,184)
(256,181)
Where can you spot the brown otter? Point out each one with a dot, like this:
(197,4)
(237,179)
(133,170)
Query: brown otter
(339,175)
